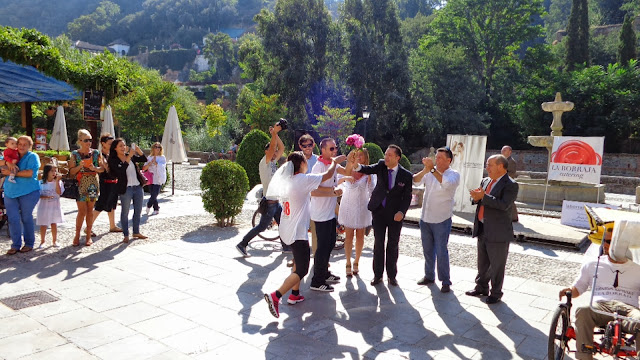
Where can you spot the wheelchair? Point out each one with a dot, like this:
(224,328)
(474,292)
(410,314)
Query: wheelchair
(610,339)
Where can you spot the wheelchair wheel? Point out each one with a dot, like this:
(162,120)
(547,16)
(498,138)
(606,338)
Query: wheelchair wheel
(558,340)
(270,233)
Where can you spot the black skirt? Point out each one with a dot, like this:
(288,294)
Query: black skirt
(108,199)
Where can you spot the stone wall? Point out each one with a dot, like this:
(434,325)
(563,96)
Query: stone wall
(613,164)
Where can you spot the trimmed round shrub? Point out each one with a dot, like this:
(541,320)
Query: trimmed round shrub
(250,152)
(375,152)
(224,186)
(404,161)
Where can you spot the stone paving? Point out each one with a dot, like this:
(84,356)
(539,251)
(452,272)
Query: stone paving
(195,298)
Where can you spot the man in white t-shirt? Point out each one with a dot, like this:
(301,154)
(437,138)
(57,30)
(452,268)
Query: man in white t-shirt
(323,214)
(272,151)
(440,182)
(617,289)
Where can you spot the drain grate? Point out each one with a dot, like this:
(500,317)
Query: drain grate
(28,300)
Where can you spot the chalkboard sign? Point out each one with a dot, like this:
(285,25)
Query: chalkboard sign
(92,104)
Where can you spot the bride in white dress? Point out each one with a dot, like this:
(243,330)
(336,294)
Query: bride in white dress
(353,213)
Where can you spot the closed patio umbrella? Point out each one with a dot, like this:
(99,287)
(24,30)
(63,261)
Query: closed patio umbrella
(59,139)
(107,124)
(172,143)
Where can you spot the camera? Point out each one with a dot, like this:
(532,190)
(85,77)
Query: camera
(283,123)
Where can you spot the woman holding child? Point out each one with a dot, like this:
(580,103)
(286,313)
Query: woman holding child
(21,197)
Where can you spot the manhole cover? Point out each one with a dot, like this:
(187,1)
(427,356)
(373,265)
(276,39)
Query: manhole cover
(29,299)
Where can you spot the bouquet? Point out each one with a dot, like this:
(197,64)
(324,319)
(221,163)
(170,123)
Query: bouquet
(355,141)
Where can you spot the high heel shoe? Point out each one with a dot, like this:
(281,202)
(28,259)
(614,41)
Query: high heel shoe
(355,268)
(349,273)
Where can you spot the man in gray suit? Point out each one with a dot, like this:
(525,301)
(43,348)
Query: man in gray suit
(493,227)
(512,171)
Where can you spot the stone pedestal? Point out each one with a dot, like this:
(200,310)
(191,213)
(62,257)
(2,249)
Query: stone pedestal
(532,192)
(638,195)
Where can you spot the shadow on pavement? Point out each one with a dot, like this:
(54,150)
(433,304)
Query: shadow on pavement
(210,233)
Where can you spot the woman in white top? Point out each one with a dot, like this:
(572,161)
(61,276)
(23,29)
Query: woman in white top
(156,164)
(353,213)
(292,186)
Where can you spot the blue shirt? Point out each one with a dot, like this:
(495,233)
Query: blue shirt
(23,185)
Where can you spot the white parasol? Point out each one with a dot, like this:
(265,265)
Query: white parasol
(172,143)
(59,139)
(107,124)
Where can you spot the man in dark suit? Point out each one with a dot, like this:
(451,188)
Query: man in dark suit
(493,227)
(512,171)
(389,203)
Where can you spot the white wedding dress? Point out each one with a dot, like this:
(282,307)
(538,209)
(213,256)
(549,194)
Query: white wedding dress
(353,211)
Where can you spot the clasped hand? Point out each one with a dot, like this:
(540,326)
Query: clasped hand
(476,194)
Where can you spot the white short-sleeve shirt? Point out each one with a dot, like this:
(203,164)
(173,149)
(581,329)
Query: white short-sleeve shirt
(323,208)
(438,200)
(295,217)
(627,288)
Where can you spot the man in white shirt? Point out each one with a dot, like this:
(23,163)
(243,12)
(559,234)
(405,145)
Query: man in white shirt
(440,183)
(617,289)
(323,214)
(272,151)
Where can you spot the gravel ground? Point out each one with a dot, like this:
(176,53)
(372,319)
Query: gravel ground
(203,229)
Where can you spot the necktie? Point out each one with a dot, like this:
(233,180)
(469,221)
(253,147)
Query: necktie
(615,282)
(487,191)
(390,182)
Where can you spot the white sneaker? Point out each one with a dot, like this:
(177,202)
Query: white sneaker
(156,212)
(148,210)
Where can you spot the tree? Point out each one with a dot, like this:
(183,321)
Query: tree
(264,112)
(215,118)
(295,38)
(218,49)
(336,124)
(376,68)
(491,31)
(443,88)
(251,57)
(578,35)
(91,27)
(627,46)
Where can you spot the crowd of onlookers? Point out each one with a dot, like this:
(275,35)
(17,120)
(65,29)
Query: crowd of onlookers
(98,179)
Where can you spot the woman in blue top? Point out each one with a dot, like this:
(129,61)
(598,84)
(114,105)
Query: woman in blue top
(21,197)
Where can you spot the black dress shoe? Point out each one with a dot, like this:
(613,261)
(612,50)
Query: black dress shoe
(491,300)
(475,292)
(445,288)
(393,282)
(425,281)
(376,281)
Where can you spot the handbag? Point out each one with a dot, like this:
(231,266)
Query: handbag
(149,176)
(264,204)
(70,188)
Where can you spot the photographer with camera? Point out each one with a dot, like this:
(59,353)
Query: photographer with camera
(268,166)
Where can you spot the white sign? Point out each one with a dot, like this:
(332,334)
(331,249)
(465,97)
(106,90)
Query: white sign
(468,159)
(577,159)
(573,213)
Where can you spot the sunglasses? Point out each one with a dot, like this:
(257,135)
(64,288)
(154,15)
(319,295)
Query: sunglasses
(157,146)
(87,140)
(306,146)
(333,148)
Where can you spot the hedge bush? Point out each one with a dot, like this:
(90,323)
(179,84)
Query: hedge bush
(224,186)
(375,152)
(250,152)
(404,161)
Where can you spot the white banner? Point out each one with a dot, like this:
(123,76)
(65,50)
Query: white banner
(468,159)
(573,213)
(577,159)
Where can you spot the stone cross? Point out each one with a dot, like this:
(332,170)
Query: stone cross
(557,107)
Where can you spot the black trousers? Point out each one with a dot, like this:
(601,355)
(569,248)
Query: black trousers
(492,261)
(326,234)
(383,222)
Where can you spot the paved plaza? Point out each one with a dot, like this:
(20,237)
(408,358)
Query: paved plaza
(191,296)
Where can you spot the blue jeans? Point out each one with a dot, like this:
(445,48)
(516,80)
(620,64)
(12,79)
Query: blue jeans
(435,238)
(273,212)
(154,190)
(20,214)
(135,193)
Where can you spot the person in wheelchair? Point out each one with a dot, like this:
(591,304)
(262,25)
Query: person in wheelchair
(617,290)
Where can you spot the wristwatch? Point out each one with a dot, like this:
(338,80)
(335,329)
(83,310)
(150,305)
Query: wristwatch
(433,169)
